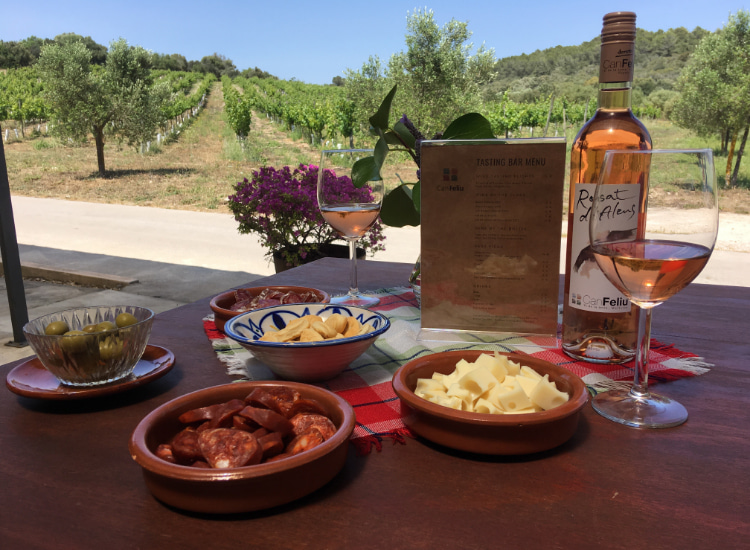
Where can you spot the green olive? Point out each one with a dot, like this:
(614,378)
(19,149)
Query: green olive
(90,328)
(74,341)
(125,320)
(104,326)
(56,328)
(110,348)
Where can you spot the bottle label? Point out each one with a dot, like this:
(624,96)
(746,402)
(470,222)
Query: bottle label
(616,63)
(590,290)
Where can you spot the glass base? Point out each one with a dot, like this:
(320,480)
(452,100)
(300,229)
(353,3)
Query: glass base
(648,411)
(355,300)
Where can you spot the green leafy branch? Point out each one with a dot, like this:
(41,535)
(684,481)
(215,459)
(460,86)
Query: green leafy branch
(401,206)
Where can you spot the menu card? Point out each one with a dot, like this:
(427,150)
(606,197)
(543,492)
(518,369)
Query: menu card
(490,239)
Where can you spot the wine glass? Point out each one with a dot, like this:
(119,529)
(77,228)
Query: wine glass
(350,210)
(653,224)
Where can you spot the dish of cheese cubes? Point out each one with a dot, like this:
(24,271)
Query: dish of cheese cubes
(470,400)
(492,384)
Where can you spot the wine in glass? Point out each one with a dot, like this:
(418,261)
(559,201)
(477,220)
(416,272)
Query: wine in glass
(350,210)
(653,225)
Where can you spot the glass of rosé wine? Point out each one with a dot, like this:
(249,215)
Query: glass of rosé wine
(351,210)
(653,223)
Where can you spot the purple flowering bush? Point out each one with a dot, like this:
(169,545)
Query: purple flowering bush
(281,207)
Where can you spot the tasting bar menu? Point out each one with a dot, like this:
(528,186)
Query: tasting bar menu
(491,217)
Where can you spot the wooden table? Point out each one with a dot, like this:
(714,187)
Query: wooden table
(67,479)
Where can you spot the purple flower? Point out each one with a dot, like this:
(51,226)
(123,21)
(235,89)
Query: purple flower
(281,207)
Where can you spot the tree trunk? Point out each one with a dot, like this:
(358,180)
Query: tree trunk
(99,138)
(724,141)
(728,173)
(741,150)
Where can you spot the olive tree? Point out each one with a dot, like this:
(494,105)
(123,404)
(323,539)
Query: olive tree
(438,76)
(715,88)
(117,100)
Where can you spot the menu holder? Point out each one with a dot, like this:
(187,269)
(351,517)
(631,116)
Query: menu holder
(491,217)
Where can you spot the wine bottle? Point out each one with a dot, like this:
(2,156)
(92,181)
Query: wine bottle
(599,322)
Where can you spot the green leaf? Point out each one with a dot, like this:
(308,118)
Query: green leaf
(398,208)
(381,151)
(380,119)
(404,134)
(393,139)
(469,126)
(364,170)
(416,196)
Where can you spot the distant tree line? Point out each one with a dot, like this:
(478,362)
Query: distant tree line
(25,53)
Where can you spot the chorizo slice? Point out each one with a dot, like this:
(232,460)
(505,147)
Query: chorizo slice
(223,418)
(305,441)
(306,406)
(262,397)
(277,398)
(242,423)
(303,422)
(164,451)
(216,414)
(272,444)
(185,446)
(271,420)
(228,448)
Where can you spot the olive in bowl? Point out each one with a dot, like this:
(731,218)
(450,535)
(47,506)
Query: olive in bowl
(90,346)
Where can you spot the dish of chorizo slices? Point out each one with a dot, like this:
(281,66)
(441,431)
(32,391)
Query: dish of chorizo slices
(243,446)
(270,423)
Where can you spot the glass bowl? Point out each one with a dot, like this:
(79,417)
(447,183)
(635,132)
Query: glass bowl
(93,358)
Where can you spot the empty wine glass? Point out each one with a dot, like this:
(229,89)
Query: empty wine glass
(350,210)
(653,225)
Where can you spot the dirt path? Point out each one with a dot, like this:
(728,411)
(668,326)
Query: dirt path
(192,173)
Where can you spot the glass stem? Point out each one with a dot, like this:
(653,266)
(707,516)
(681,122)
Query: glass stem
(640,382)
(353,284)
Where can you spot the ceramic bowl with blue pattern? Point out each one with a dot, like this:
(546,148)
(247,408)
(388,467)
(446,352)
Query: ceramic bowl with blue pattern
(304,361)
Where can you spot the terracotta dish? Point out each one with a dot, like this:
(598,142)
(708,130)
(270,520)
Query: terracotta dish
(492,434)
(220,304)
(245,489)
(304,361)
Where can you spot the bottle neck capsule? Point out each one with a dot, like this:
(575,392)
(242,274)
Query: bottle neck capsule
(615,96)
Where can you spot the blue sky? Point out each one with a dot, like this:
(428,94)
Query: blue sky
(315,41)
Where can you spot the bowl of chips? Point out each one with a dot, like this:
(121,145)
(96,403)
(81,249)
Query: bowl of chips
(307,342)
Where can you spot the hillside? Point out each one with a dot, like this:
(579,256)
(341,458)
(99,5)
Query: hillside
(572,71)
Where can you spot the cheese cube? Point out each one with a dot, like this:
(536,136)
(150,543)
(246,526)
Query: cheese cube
(512,367)
(513,400)
(528,372)
(428,384)
(484,406)
(493,364)
(463,394)
(546,395)
(478,381)
(528,384)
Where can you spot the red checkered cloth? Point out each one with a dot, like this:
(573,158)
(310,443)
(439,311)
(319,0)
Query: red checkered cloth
(366,383)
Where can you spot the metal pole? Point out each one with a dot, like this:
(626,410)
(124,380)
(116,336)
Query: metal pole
(19,315)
